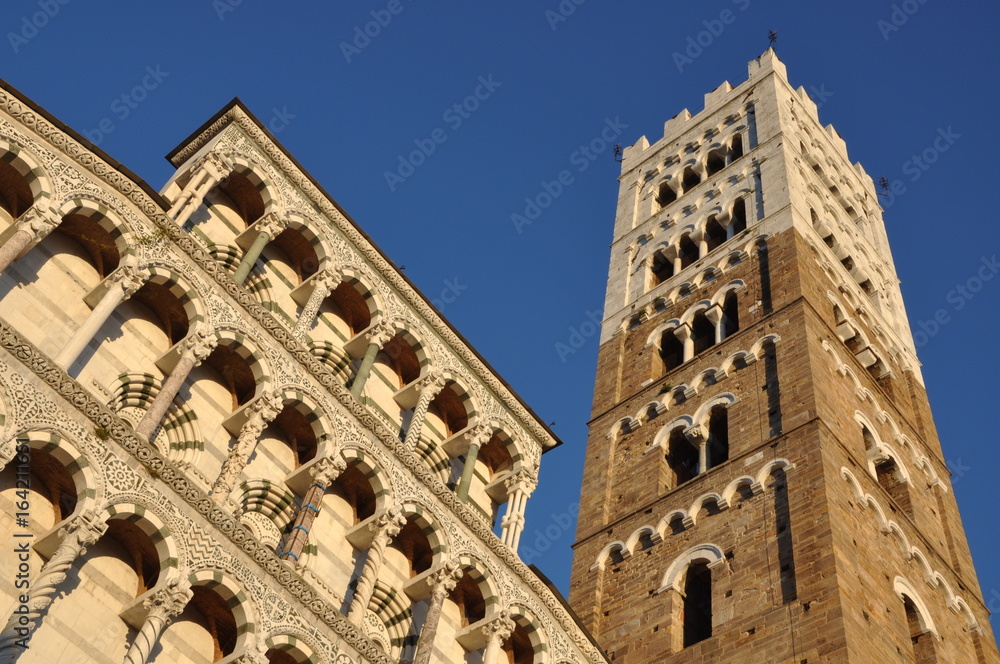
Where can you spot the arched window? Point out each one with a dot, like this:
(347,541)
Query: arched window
(718,436)
(682,459)
(671,351)
(697,616)
(739,220)
(661,269)
(716,162)
(867,436)
(730,315)
(736,149)
(666,195)
(15,193)
(921,639)
(894,482)
(715,234)
(688,251)
(691,179)
(703,332)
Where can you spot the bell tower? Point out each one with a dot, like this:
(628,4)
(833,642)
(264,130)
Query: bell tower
(763,480)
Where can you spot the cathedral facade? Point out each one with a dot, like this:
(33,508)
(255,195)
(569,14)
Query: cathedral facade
(232,431)
(763,479)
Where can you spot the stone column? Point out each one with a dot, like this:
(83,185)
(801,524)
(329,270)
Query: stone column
(122,284)
(519,488)
(323,472)
(261,413)
(195,348)
(267,227)
(442,582)
(497,631)
(31,226)
(480,436)
(683,333)
(429,387)
(163,605)
(79,533)
(378,336)
(714,316)
(206,173)
(385,527)
(699,438)
(324,283)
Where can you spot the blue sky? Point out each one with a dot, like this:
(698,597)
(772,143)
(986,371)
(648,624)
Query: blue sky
(545,81)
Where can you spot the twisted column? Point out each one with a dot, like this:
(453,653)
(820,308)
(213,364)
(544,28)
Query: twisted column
(79,533)
(480,436)
(268,227)
(34,224)
(385,528)
(324,283)
(378,336)
(442,582)
(122,284)
(323,473)
(195,348)
(262,412)
(497,631)
(519,487)
(206,173)
(429,387)
(163,605)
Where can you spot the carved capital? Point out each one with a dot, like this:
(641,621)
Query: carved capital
(696,433)
(431,384)
(170,600)
(129,276)
(481,434)
(264,409)
(523,480)
(380,333)
(272,224)
(445,579)
(38,221)
(389,522)
(327,279)
(217,166)
(327,470)
(84,529)
(499,628)
(200,342)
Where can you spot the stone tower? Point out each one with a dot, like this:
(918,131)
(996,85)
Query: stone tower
(763,479)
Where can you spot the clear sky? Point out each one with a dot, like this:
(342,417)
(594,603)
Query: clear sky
(550,76)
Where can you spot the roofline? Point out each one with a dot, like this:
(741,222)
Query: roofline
(572,614)
(236,102)
(91,147)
